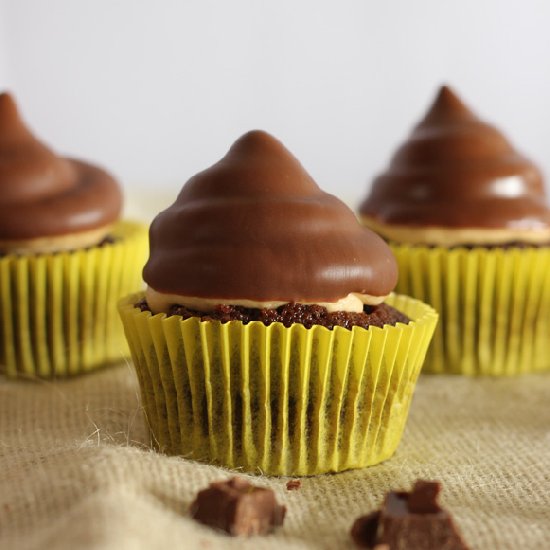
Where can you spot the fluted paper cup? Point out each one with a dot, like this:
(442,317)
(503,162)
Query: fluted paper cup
(494,306)
(277,400)
(59,310)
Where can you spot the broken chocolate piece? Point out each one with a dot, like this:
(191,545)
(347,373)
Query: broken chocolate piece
(365,529)
(423,498)
(293,485)
(238,508)
(409,520)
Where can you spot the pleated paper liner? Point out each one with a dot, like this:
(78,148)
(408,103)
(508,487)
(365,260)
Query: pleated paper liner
(494,307)
(59,311)
(282,401)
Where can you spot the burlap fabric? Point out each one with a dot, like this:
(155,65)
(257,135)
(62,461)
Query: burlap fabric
(76,471)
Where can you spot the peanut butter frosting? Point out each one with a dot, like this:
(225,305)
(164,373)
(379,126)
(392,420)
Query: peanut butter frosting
(255,226)
(45,198)
(458,179)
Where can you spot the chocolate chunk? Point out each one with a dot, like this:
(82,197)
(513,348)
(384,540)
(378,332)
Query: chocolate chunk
(293,485)
(409,521)
(238,508)
(423,498)
(365,530)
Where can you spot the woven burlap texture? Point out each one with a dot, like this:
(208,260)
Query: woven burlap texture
(76,471)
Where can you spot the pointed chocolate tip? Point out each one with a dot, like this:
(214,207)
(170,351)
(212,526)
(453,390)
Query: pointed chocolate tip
(11,123)
(7,101)
(447,96)
(8,107)
(447,106)
(257,136)
(257,140)
(260,163)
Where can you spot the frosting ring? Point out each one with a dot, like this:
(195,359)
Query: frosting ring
(160,303)
(443,236)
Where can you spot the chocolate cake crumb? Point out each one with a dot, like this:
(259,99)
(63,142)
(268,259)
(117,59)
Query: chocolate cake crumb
(238,508)
(291,313)
(293,485)
(109,239)
(409,520)
(142,305)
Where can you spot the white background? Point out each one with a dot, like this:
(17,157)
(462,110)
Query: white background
(157,91)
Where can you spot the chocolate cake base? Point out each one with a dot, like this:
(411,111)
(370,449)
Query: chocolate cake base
(108,240)
(486,246)
(288,314)
(506,246)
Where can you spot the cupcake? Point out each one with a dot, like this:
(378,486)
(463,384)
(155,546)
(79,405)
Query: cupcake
(468,220)
(267,339)
(65,259)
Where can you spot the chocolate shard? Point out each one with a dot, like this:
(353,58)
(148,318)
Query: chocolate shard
(238,508)
(364,530)
(423,498)
(409,520)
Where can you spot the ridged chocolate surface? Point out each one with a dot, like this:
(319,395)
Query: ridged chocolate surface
(455,170)
(255,225)
(44,195)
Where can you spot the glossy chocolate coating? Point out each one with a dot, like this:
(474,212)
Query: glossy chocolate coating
(455,170)
(43,195)
(238,508)
(255,225)
(412,520)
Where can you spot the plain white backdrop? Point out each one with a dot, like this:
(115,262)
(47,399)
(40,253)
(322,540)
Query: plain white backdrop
(158,90)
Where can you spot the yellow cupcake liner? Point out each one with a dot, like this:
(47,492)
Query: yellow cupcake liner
(59,310)
(276,400)
(494,307)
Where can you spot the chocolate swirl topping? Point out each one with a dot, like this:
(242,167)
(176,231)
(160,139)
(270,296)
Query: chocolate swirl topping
(456,171)
(43,195)
(255,225)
